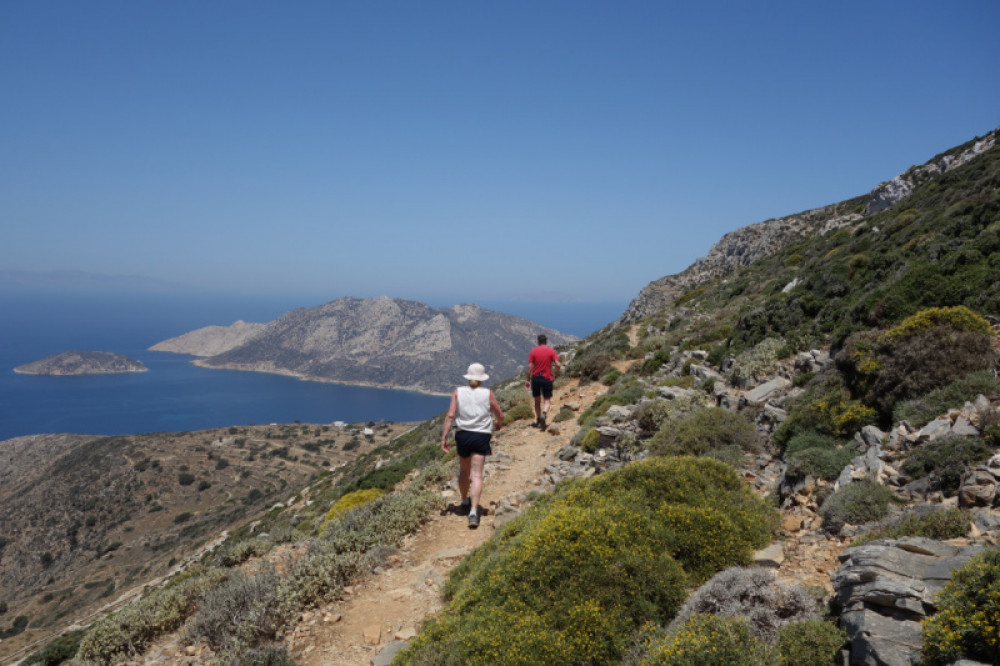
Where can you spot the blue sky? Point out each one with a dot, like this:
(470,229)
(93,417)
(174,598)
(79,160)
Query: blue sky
(459,151)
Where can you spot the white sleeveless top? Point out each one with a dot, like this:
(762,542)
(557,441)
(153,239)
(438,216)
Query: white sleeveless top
(474,409)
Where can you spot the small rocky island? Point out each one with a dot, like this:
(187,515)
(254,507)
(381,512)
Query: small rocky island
(82,363)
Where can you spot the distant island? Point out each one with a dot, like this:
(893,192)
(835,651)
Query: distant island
(82,363)
(383,342)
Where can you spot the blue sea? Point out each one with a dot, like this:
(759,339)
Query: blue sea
(177,396)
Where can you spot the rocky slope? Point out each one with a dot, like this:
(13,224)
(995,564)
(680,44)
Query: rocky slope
(210,340)
(750,244)
(82,363)
(383,342)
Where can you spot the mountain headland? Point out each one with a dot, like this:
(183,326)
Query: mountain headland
(383,342)
(82,363)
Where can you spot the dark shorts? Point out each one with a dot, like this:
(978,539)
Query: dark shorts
(540,386)
(473,442)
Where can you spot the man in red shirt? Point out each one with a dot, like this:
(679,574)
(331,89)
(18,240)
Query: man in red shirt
(543,368)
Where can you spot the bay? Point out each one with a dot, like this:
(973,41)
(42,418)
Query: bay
(175,395)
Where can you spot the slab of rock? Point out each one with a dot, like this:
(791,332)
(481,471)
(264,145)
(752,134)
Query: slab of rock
(887,588)
(386,655)
(767,390)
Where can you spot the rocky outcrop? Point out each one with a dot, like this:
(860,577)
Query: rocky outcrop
(737,249)
(886,588)
(382,342)
(82,363)
(211,340)
(889,193)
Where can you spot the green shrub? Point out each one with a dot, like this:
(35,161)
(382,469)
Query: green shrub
(822,463)
(811,642)
(57,651)
(708,640)
(939,524)
(519,412)
(945,459)
(810,439)
(564,414)
(590,441)
(965,625)
(611,376)
(857,503)
(185,478)
(731,455)
(702,431)
(591,366)
(922,410)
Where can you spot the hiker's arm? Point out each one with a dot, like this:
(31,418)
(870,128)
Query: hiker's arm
(497,412)
(448,418)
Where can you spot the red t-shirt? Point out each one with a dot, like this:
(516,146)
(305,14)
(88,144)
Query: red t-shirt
(541,359)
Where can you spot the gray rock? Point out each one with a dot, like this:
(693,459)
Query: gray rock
(962,427)
(767,390)
(934,429)
(619,413)
(886,588)
(978,488)
(385,656)
(872,436)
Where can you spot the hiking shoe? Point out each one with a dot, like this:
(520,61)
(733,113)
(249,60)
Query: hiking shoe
(541,421)
(473,521)
(464,508)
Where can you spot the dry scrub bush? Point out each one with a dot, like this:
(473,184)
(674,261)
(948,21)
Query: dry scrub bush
(760,361)
(241,611)
(126,633)
(754,594)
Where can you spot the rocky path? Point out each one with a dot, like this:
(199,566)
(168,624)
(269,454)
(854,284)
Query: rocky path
(391,604)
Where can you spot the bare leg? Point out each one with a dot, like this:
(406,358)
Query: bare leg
(477,462)
(465,465)
(538,407)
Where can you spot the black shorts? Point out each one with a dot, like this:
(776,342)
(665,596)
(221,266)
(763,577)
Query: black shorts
(469,442)
(540,386)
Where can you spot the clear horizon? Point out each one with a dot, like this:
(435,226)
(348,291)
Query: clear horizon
(455,152)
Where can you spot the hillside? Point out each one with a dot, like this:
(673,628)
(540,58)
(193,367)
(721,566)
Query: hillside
(88,520)
(82,363)
(818,397)
(383,342)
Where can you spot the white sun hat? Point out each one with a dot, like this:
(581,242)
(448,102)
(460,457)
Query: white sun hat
(476,372)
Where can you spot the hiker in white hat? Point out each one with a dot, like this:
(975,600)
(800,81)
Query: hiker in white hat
(470,411)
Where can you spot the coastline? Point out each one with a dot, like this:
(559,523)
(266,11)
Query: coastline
(201,363)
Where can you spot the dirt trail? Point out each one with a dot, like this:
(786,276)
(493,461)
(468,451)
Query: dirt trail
(391,604)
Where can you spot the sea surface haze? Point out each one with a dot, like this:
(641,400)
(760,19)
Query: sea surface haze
(175,395)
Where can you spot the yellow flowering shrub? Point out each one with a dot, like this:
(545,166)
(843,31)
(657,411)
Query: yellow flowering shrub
(708,640)
(569,581)
(959,318)
(350,501)
(967,624)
